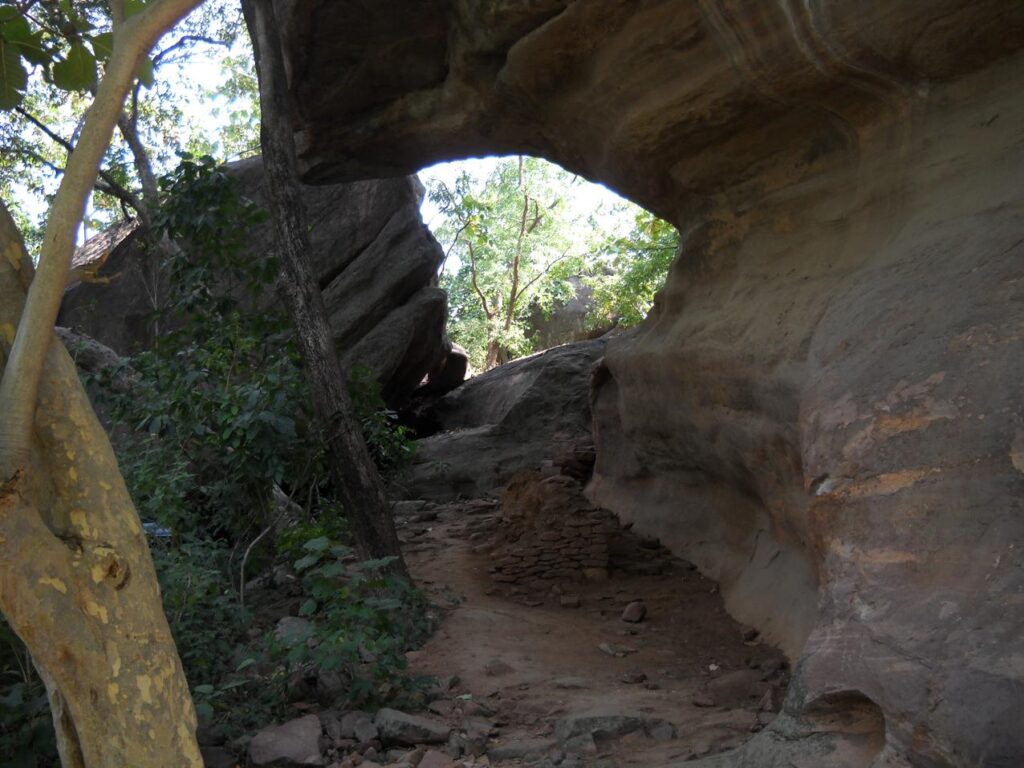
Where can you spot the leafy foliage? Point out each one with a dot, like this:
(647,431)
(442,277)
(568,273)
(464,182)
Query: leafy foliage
(205,425)
(363,620)
(219,415)
(511,238)
(222,388)
(514,243)
(68,46)
(631,270)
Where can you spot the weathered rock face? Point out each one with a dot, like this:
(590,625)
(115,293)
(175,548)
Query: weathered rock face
(374,258)
(516,417)
(824,409)
(566,321)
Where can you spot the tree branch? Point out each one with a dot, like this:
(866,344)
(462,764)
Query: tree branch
(476,285)
(20,382)
(543,272)
(513,296)
(185,40)
(112,186)
(451,248)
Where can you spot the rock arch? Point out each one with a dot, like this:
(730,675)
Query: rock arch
(824,408)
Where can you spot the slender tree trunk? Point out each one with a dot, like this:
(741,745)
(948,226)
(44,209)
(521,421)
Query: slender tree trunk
(493,358)
(355,476)
(76,578)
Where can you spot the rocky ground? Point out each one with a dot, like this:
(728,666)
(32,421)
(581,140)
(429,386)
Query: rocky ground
(641,667)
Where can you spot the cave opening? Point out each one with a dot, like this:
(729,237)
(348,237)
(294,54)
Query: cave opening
(536,256)
(640,611)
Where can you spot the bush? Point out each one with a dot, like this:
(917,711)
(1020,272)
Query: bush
(363,620)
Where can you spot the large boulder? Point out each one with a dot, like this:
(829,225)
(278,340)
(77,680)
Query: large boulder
(374,259)
(823,410)
(295,744)
(513,418)
(567,320)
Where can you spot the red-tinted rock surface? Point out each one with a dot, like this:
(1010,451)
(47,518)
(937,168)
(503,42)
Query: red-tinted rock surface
(824,409)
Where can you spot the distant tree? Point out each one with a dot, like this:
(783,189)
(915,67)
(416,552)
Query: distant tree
(511,239)
(513,245)
(629,269)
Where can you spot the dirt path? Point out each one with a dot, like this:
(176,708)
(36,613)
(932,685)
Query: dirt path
(685,681)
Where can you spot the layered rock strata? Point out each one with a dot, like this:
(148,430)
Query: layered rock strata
(824,409)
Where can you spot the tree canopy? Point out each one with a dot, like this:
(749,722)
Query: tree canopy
(517,246)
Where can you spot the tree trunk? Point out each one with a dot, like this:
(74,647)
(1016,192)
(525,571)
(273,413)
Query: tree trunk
(353,472)
(76,579)
(494,355)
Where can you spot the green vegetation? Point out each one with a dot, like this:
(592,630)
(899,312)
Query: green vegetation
(513,242)
(206,425)
(510,237)
(634,269)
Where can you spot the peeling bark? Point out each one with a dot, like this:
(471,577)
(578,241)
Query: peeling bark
(77,582)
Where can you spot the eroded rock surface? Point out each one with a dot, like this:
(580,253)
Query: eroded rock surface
(516,417)
(823,411)
(375,260)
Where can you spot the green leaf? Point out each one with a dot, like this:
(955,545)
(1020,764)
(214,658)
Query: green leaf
(205,689)
(306,562)
(34,50)
(14,28)
(319,544)
(131,7)
(77,71)
(147,75)
(308,608)
(13,77)
(102,45)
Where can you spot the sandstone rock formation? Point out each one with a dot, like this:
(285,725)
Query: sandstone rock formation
(513,418)
(824,409)
(375,260)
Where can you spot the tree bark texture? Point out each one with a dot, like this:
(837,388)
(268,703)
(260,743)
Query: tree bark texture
(77,582)
(355,476)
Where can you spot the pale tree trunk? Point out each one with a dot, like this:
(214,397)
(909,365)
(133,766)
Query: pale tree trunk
(76,579)
(355,476)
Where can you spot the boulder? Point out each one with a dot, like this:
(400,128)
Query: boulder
(822,411)
(399,728)
(507,420)
(566,321)
(373,257)
(634,612)
(294,744)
